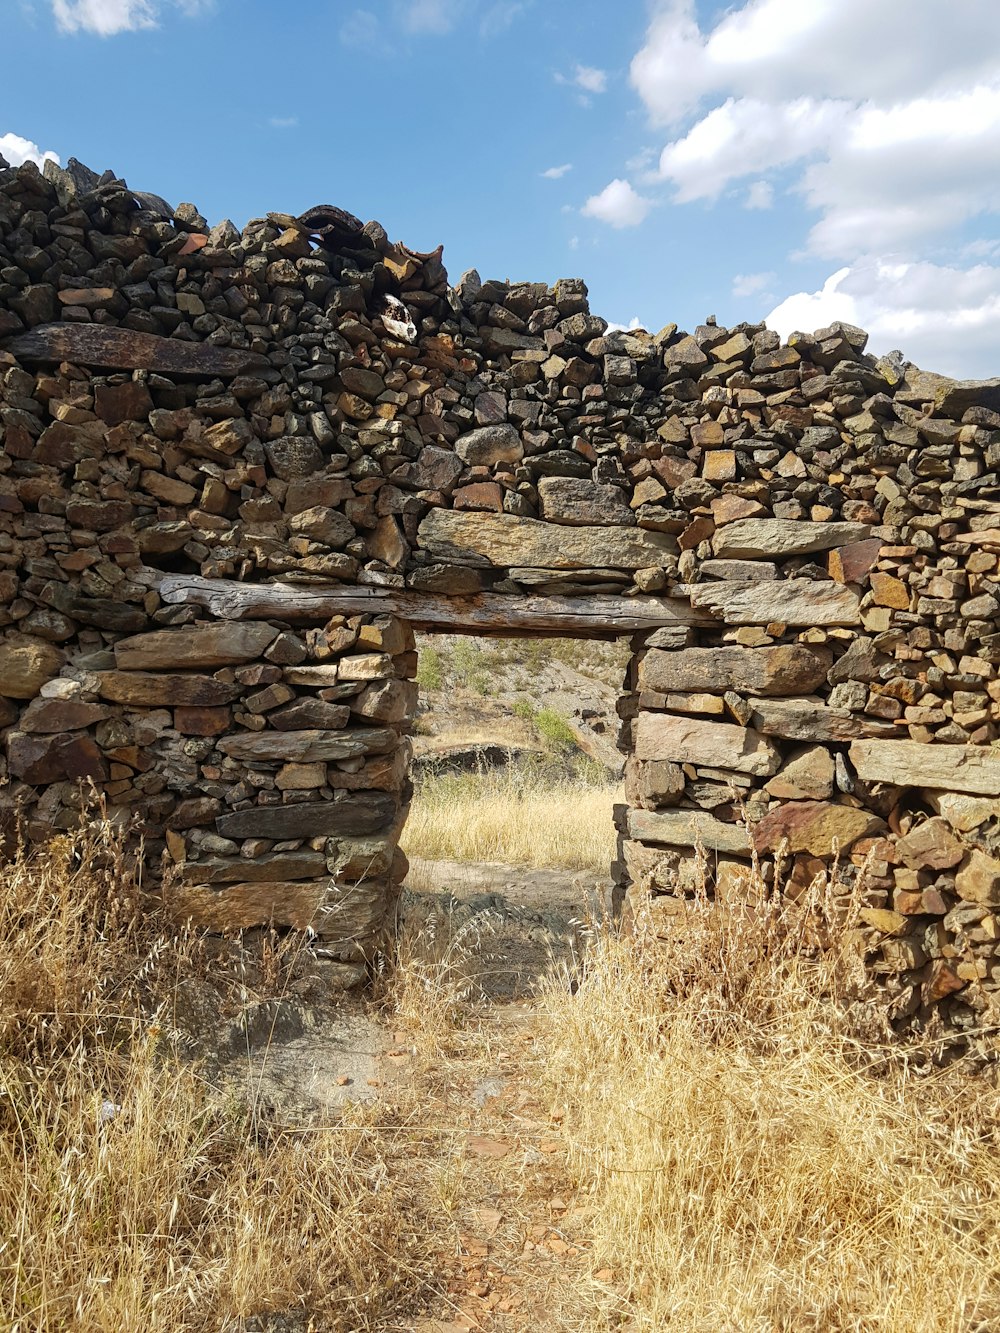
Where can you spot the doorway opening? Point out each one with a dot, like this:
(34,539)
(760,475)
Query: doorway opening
(516,771)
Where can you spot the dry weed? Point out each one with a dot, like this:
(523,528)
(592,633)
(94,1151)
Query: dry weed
(760,1159)
(132,1198)
(519,815)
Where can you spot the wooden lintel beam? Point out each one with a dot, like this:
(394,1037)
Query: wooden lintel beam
(496,614)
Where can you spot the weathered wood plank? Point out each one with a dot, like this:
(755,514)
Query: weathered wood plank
(110,348)
(603,616)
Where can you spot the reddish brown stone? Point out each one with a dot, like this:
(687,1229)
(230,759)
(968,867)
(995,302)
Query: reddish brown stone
(943,981)
(851,563)
(196,721)
(930,846)
(698,530)
(49,716)
(480,495)
(814,826)
(38,760)
(672,471)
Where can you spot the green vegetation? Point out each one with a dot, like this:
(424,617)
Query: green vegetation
(430,673)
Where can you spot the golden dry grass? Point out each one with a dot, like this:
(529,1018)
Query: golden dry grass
(520,815)
(760,1158)
(132,1197)
(748,1150)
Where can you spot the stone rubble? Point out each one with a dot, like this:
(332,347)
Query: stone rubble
(307,402)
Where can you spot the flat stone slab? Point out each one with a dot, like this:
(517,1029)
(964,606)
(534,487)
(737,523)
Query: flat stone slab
(195,646)
(795,602)
(961,768)
(787,669)
(767,538)
(690,740)
(151,690)
(503,540)
(688,828)
(308,745)
(352,816)
(812,720)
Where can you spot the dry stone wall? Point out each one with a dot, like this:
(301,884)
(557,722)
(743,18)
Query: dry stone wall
(236,468)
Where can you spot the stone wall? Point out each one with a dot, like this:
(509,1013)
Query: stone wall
(237,467)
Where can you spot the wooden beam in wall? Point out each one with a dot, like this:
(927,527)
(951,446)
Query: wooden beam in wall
(107,347)
(601,616)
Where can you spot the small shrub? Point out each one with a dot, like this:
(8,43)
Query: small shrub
(554,729)
(429,673)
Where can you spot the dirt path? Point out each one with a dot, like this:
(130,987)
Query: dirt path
(470,1124)
(517,1254)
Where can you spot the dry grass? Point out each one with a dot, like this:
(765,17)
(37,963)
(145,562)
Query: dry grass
(132,1198)
(751,1154)
(520,815)
(760,1158)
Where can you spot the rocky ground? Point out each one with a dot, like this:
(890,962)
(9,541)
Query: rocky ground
(476,693)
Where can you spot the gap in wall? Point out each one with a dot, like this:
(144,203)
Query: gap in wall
(516,773)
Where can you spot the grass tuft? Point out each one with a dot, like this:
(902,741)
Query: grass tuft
(521,814)
(760,1157)
(133,1197)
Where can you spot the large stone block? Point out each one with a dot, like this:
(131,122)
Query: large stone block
(149,690)
(767,538)
(795,602)
(42,759)
(578,502)
(26,664)
(688,828)
(348,918)
(351,817)
(307,745)
(957,768)
(817,827)
(504,540)
(211,645)
(788,669)
(812,720)
(689,740)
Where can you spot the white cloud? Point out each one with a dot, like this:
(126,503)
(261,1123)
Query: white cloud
(589,79)
(17,151)
(500,16)
(556,173)
(882,120)
(943,318)
(283,122)
(436,17)
(634,323)
(618,204)
(748,284)
(782,49)
(105,18)
(760,195)
(745,137)
(887,151)
(360,28)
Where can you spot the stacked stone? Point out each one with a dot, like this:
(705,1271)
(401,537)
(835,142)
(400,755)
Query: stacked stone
(814,532)
(268,764)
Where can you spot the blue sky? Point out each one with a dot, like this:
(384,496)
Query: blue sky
(765,158)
